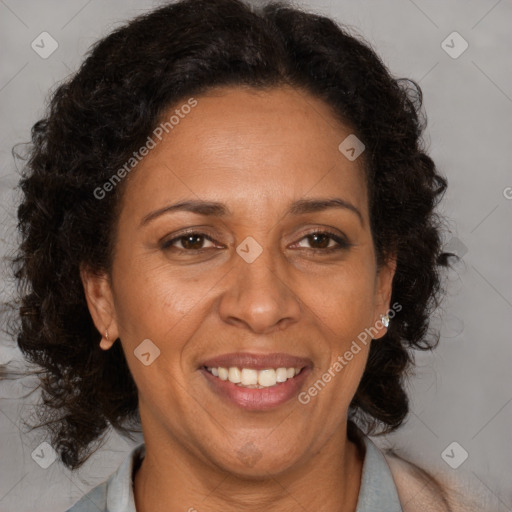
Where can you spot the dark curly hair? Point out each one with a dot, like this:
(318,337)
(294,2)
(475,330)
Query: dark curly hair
(107,109)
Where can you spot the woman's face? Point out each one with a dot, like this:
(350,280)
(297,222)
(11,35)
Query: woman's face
(249,279)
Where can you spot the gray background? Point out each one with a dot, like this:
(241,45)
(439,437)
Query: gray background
(462,392)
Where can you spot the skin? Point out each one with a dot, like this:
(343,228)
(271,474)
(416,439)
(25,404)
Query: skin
(257,152)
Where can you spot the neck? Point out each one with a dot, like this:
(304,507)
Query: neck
(172,478)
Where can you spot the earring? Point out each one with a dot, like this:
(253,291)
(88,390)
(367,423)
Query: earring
(106,335)
(385,320)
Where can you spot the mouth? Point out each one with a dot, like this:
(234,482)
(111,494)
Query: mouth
(256,381)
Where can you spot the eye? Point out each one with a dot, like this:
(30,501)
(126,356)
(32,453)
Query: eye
(323,240)
(190,242)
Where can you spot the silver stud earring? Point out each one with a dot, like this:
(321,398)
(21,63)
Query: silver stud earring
(385,320)
(106,335)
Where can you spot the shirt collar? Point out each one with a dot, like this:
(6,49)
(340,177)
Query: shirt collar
(378,490)
(120,497)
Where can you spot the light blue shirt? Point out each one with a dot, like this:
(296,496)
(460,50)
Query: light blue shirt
(377,492)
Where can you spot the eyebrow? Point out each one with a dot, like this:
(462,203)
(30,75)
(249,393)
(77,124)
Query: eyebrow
(216,209)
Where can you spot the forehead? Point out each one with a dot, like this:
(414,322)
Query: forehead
(240,145)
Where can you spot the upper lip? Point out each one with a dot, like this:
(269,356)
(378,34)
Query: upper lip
(257,361)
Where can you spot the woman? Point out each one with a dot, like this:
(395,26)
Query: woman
(229,237)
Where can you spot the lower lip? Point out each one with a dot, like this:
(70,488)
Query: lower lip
(257,398)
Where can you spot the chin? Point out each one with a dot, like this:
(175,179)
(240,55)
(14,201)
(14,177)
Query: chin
(249,462)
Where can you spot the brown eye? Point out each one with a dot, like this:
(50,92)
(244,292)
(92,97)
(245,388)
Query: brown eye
(190,242)
(322,241)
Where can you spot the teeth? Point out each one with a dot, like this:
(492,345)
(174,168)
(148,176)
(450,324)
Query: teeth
(267,378)
(282,374)
(250,378)
(234,375)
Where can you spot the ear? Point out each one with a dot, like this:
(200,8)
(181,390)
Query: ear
(100,301)
(383,290)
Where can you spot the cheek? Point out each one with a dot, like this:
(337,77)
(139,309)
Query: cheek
(342,307)
(343,300)
(154,299)
(165,306)
(154,304)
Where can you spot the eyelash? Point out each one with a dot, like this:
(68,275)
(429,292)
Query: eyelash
(342,244)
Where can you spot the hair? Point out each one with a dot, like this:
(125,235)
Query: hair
(106,110)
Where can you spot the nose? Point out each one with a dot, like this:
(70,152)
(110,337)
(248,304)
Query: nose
(259,295)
